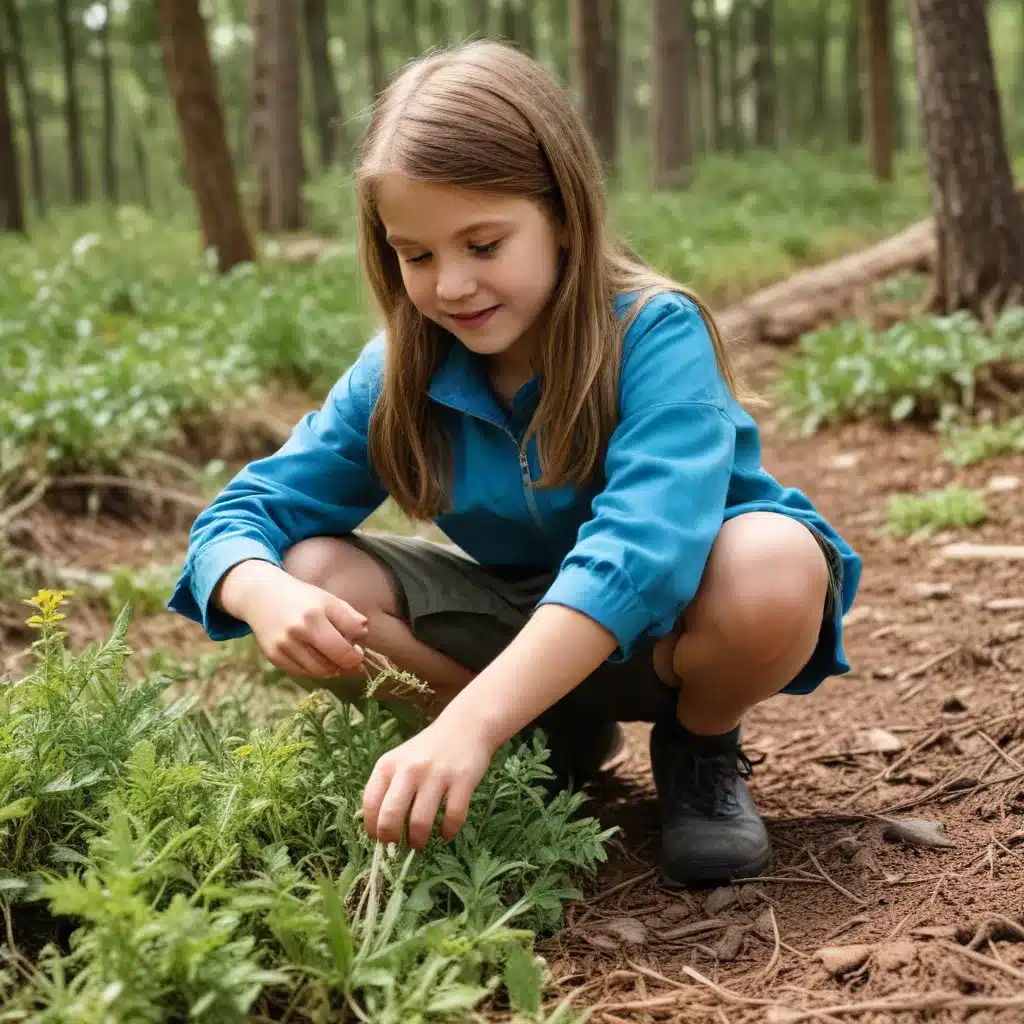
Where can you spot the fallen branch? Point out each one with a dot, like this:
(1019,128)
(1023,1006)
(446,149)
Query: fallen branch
(967,551)
(935,1001)
(20,507)
(126,483)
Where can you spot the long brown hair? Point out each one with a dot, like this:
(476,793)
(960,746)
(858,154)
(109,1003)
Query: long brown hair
(485,116)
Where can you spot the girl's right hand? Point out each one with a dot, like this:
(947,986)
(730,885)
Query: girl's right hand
(303,630)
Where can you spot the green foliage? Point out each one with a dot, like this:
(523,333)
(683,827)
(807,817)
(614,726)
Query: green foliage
(211,865)
(928,368)
(109,345)
(952,507)
(969,444)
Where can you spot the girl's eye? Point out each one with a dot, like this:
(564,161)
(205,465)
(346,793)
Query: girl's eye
(484,250)
(418,259)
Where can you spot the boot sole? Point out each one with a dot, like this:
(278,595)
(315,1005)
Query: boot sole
(713,879)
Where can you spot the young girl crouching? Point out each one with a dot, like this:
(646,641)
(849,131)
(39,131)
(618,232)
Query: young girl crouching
(570,420)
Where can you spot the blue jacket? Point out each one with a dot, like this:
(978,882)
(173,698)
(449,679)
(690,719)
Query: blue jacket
(630,553)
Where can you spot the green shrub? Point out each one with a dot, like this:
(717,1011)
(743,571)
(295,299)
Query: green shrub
(968,444)
(954,506)
(211,865)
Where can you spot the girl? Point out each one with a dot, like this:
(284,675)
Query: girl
(570,420)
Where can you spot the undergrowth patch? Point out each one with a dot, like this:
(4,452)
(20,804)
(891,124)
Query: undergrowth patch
(166,862)
(953,506)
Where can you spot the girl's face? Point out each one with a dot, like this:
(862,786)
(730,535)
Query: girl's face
(481,266)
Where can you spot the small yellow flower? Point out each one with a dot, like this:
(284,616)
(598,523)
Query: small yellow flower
(47,601)
(243,751)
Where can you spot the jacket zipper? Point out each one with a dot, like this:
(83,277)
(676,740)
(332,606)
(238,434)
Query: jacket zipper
(524,464)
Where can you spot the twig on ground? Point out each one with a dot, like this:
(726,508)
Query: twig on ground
(1012,762)
(835,885)
(145,486)
(774,961)
(934,1001)
(723,993)
(980,958)
(921,669)
(20,507)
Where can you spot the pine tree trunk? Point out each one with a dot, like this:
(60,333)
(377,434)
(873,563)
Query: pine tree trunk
(12,211)
(76,156)
(877,37)
(276,113)
(765,80)
(28,101)
(896,105)
(109,154)
(326,97)
(736,77)
(438,23)
(560,43)
(819,120)
(374,55)
(412,27)
(142,168)
(193,85)
(979,218)
(481,17)
(596,28)
(670,106)
(852,76)
(717,89)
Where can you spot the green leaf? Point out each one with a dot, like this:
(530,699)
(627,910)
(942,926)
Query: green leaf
(338,931)
(903,407)
(523,979)
(17,809)
(457,997)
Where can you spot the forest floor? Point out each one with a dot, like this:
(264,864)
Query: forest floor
(852,923)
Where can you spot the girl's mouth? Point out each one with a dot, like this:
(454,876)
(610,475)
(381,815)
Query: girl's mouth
(477,319)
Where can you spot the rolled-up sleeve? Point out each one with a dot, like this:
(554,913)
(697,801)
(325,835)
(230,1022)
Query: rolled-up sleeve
(637,562)
(319,482)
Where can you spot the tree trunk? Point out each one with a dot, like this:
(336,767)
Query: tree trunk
(737,77)
(276,142)
(717,90)
(896,105)
(670,106)
(852,76)
(374,55)
(193,85)
(481,17)
(560,42)
(412,27)
(877,36)
(76,157)
(28,101)
(526,29)
(142,167)
(596,28)
(765,82)
(109,154)
(508,21)
(979,219)
(819,120)
(326,97)
(12,211)
(438,23)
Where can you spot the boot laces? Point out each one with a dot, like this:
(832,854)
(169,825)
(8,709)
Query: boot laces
(707,781)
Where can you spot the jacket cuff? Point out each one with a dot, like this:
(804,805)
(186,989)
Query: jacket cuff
(192,594)
(607,596)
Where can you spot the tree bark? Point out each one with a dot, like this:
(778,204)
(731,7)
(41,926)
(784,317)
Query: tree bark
(481,17)
(670,107)
(109,153)
(76,157)
(326,97)
(12,211)
(412,27)
(276,113)
(717,90)
(765,79)
(852,76)
(736,77)
(193,85)
(979,218)
(819,120)
(596,30)
(877,37)
(374,55)
(28,101)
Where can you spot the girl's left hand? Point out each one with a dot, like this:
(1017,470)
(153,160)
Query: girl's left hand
(446,761)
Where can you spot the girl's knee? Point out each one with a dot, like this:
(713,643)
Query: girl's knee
(345,570)
(765,584)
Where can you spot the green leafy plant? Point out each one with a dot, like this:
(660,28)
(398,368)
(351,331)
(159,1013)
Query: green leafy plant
(926,368)
(953,506)
(968,444)
(211,864)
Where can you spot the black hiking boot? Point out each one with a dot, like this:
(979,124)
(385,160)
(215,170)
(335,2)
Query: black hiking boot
(711,831)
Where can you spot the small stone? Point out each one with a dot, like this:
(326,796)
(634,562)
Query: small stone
(763,925)
(843,460)
(730,945)
(627,930)
(884,672)
(748,896)
(932,590)
(719,900)
(603,941)
(884,742)
(676,912)
(894,955)
(1003,483)
(840,960)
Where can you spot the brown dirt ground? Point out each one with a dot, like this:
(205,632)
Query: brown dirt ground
(938,930)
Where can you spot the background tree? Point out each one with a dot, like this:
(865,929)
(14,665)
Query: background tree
(76,152)
(596,27)
(193,85)
(979,218)
(671,136)
(19,66)
(877,36)
(326,97)
(12,214)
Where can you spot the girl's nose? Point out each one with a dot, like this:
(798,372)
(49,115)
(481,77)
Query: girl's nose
(455,282)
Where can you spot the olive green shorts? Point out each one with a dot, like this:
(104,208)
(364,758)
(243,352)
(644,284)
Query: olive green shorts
(470,613)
